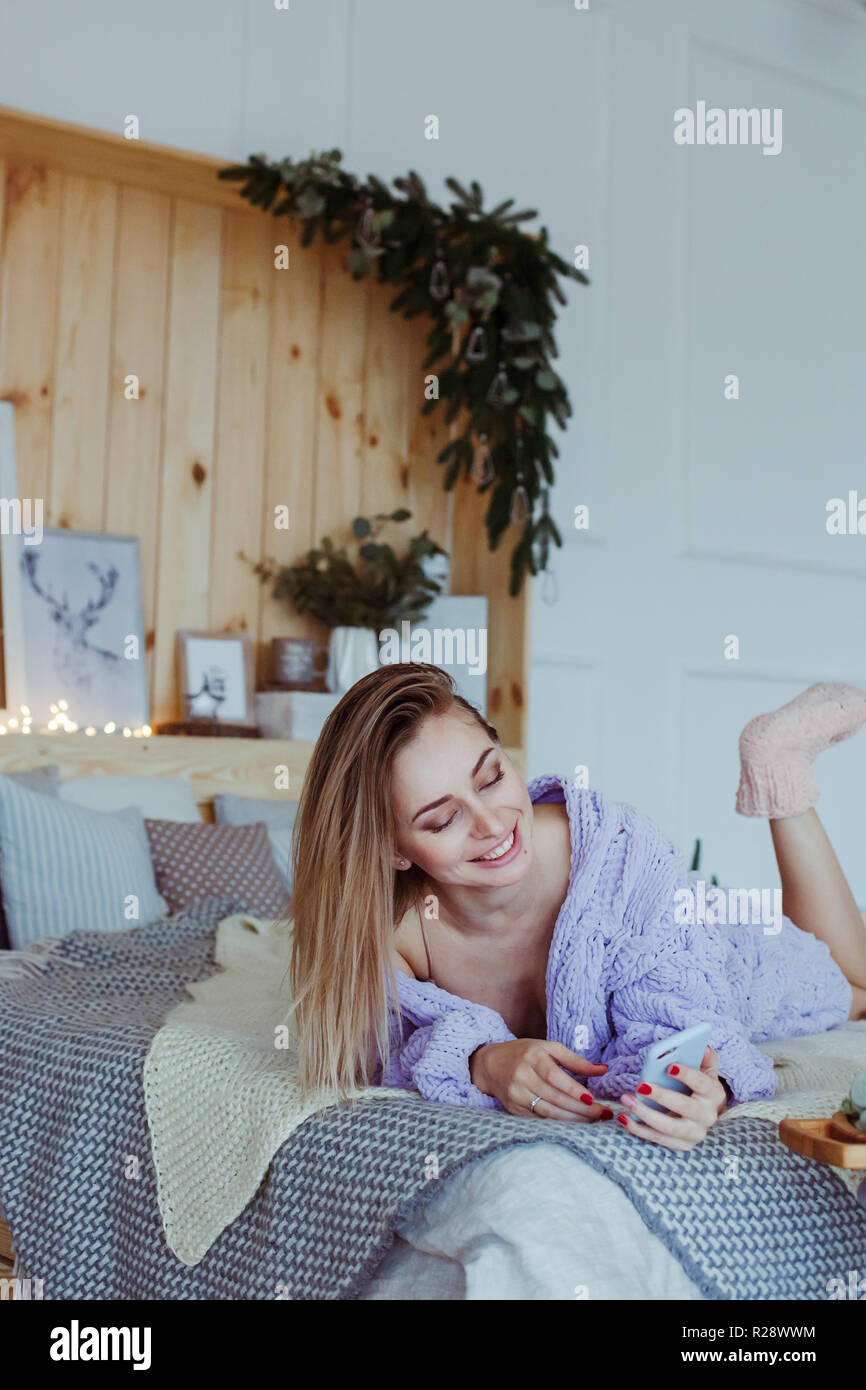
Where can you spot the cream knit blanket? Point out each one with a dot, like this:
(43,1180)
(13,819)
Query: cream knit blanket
(221,1098)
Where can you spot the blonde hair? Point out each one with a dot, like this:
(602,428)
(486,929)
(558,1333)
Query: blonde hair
(347,897)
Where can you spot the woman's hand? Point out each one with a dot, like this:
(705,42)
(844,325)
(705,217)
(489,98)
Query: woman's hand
(516,1072)
(692,1114)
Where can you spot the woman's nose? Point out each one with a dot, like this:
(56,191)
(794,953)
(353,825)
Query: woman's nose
(487,824)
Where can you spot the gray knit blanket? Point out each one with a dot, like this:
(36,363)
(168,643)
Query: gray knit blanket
(745,1217)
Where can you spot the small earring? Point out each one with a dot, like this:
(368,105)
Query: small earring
(404,863)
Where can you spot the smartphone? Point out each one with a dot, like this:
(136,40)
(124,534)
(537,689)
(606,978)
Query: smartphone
(686,1048)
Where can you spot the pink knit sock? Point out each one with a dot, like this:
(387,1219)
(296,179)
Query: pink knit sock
(777,750)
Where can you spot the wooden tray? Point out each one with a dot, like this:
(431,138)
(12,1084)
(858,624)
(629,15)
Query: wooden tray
(835,1141)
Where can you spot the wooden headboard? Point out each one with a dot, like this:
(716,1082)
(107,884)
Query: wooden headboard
(246,766)
(257,387)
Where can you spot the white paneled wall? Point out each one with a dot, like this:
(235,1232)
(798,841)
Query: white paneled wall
(707,516)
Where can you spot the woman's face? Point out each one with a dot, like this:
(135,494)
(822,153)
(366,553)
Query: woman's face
(457,798)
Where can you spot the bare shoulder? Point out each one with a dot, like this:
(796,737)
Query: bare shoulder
(407,948)
(551,832)
(551,827)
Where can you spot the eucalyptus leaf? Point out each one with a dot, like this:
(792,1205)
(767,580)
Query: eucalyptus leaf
(309,203)
(359,260)
(521,332)
(498,276)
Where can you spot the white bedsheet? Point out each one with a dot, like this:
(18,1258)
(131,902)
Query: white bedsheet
(535,1222)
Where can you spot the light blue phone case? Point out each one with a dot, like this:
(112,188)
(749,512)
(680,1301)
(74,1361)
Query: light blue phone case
(686,1049)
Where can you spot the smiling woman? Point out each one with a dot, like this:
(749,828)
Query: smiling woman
(347,899)
(459,933)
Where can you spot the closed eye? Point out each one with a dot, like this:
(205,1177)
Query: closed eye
(436,828)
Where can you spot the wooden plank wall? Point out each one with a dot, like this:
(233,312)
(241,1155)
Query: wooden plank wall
(258,387)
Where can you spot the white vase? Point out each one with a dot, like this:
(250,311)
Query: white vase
(353,653)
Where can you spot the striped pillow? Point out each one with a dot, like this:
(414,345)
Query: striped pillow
(38,779)
(66,868)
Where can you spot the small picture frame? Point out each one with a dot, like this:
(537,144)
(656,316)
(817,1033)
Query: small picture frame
(216,678)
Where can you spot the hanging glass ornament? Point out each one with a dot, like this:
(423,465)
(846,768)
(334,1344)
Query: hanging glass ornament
(520,506)
(476,348)
(482,465)
(498,387)
(549,588)
(439,286)
(368,230)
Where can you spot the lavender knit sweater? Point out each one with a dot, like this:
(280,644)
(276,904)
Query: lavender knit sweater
(622,973)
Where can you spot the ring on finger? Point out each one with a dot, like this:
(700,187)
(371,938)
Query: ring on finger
(534,1103)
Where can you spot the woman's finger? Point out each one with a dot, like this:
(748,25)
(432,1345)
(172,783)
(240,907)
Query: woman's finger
(573,1060)
(555,1104)
(710,1061)
(673,1125)
(665,1140)
(681,1102)
(548,1109)
(568,1093)
(702,1083)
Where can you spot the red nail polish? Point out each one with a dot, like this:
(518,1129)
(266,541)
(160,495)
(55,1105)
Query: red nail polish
(644,1090)
(607,1114)
(673,1069)
(623,1119)
(587,1100)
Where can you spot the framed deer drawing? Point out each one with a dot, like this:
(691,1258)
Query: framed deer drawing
(81,618)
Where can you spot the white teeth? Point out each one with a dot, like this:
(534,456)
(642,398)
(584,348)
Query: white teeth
(498,853)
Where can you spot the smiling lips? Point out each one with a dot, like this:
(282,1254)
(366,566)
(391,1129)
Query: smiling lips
(506,849)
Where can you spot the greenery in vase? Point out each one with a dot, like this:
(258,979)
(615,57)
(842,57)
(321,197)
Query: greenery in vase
(489,288)
(381,590)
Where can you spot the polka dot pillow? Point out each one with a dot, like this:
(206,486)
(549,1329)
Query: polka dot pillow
(198,860)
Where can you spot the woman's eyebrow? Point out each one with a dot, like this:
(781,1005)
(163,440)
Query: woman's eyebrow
(434,804)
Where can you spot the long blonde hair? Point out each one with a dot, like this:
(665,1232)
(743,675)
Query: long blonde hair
(347,897)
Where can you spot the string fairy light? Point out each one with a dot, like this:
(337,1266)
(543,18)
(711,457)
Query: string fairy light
(60,721)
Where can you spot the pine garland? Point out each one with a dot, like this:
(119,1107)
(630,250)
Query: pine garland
(489,288)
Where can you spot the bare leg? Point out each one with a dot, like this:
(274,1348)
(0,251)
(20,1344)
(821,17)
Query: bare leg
(816,896)
(776,755)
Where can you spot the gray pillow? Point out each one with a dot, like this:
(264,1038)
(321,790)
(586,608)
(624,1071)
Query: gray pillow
(38,779)
(66,868)
(230,809)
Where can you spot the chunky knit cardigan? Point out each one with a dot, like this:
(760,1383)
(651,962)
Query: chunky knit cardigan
(623,973)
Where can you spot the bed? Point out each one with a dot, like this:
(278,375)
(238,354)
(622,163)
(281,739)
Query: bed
(507,1218)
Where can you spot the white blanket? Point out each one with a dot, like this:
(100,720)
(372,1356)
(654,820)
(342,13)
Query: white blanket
(221,1098)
